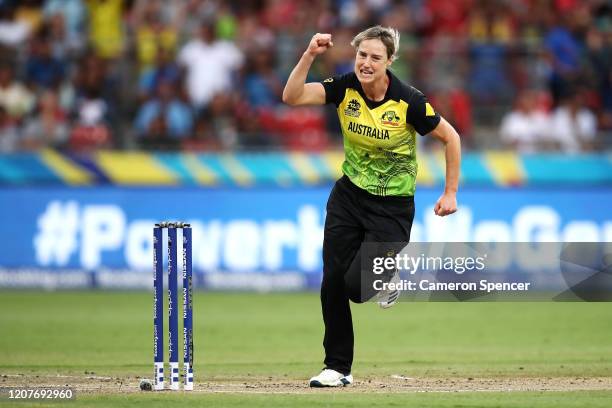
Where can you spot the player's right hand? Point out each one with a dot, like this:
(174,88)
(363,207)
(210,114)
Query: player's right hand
(319,44)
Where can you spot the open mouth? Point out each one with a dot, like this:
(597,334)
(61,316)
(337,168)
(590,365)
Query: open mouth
(366,73)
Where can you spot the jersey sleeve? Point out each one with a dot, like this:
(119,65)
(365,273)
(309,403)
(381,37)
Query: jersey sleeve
(335,88)
(421,115)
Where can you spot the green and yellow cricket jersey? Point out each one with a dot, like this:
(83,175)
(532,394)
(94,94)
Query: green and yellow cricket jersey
(380,137)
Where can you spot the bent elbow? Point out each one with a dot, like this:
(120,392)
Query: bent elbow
(452,138)
(287,99)
(456,137)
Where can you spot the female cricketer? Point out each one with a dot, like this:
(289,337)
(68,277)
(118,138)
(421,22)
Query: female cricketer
(374,200)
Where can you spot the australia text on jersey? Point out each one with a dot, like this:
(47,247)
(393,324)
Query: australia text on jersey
(368,131)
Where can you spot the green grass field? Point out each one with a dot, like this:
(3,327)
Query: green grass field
(269,340)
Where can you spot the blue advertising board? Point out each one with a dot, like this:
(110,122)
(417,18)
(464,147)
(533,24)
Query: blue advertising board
(252,235)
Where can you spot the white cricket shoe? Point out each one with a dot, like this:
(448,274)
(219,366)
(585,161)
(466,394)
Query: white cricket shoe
(387,298)
(331,378)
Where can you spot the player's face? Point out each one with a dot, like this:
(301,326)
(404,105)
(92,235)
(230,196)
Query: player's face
(371,61)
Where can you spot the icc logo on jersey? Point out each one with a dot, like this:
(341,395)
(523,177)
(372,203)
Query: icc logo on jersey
(352,108)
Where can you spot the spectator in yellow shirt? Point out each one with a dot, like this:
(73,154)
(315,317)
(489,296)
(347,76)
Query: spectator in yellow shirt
(106,27)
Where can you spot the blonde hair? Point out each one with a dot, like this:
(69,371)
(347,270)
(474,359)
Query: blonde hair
(387,35)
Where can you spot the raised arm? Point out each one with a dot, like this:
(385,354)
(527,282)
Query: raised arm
(447,203)
(297,91)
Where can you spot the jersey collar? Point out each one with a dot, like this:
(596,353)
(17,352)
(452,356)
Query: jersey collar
(393,91)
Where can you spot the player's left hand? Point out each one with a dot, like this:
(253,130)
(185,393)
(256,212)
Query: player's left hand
(446,204)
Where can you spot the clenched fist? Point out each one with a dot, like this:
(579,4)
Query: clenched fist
(319,44)
(446,205)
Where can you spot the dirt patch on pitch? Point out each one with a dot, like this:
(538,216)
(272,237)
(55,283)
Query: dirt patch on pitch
(94,384)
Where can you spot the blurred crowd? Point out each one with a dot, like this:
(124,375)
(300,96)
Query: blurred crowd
(207,75)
